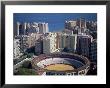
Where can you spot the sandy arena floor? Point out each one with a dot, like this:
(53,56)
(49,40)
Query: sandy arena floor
(59,67)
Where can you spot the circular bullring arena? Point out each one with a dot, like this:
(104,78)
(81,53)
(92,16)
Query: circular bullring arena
(61,64)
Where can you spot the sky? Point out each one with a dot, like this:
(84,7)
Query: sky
(54,20)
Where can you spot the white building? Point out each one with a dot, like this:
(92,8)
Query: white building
(31,40)
(49,43)
(69,41)
(17,52)
(73,41)
(23,42)
(17,31)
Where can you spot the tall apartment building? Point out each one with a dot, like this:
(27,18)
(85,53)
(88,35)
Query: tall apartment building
(84,44)
(39,46)
(33,28)
(23,42)
(67,40)
(17,52)
(43,28)
(28,41)
(32,38)
(93,50)
(73,42)
(49,43)
(28,28)
(62,40)
(70,24)
(77,26)
(81,23)
(17,29)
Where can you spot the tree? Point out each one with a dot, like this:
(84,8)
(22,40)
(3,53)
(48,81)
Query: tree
(25,71)
(27,64)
